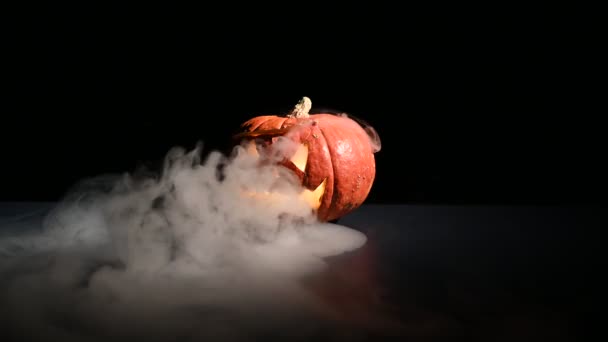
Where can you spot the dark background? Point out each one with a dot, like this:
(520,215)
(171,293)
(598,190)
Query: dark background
(472,108)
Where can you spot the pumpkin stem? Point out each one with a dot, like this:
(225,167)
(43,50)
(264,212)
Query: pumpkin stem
(301,109)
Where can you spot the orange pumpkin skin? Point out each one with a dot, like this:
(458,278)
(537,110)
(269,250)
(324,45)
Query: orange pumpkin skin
(340,151)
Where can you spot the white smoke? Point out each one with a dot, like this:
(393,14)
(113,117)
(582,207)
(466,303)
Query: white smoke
(199,252)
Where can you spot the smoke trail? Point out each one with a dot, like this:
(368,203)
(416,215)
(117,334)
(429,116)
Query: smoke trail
(206,250)
(374,137)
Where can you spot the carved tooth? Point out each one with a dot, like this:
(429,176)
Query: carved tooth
(252,149)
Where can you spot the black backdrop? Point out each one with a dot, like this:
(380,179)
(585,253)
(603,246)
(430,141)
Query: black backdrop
(470,108)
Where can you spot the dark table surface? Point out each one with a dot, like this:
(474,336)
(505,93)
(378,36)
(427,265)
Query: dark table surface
(483,273)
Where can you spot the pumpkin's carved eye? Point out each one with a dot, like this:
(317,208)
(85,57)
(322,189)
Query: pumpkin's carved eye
(300,157)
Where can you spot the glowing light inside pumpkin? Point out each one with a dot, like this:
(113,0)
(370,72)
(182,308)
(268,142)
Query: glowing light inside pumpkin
(299,160)
(300,157)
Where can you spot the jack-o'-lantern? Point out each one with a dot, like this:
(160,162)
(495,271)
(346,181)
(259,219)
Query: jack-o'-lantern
(333,158)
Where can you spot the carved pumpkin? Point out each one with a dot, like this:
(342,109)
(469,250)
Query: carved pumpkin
(334,157)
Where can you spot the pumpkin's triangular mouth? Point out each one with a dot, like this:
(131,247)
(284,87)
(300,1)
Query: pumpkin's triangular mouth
(314,197)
